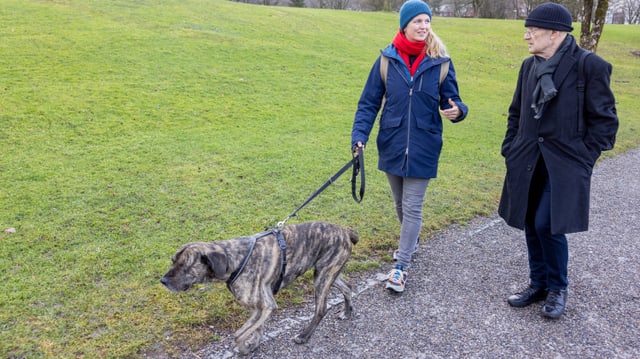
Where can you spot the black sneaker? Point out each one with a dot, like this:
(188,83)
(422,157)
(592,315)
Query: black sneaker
(555,303)
(527,296)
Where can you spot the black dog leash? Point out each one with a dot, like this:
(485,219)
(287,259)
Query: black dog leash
(357,163)
(358,168)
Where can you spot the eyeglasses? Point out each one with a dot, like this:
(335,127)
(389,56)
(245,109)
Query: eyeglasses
(530,32)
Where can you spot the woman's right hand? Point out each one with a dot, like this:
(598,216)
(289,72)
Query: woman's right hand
(356,147)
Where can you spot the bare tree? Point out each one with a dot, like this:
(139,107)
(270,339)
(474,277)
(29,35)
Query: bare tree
(377,5)
(593,23)
(337,4)
(477,5)
(631,9)
(490,9)
(575,7)
(434,4)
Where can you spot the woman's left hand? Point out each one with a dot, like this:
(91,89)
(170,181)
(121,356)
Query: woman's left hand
(451,113)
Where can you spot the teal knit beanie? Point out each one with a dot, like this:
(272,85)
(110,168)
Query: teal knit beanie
(411,9)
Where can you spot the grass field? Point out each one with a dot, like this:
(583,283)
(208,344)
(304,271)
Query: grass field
(128,128)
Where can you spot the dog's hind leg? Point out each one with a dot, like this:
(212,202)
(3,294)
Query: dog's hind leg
(346,290)
(323,281)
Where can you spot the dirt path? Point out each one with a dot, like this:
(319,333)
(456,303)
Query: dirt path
(455,302)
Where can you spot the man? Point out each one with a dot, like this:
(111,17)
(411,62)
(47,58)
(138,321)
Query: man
(554,137)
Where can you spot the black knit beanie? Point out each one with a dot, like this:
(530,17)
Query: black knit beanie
(550,16)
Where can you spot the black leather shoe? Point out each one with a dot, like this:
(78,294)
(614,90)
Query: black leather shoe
(527,296)
(555,303)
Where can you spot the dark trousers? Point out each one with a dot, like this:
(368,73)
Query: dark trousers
(548,253)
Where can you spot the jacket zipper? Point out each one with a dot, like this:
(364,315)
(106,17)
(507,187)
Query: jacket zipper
(406,151)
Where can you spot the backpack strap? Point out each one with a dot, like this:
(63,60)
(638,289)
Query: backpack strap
(444,70)
(384,68)
(583,56)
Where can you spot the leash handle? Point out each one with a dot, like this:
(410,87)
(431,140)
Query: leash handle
(358,167)
(357,164)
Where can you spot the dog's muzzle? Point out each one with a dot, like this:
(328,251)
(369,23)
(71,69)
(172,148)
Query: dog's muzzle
(167,284)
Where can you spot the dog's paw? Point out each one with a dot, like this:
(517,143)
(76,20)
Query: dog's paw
(243,348)
(254,340)
(249,344)
(346,313)
(300,340)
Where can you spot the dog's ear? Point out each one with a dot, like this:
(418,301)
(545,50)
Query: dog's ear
(217,263)
(177,255)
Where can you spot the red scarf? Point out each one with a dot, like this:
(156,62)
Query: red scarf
(408,48)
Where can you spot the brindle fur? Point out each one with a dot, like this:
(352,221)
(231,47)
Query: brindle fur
(320,245)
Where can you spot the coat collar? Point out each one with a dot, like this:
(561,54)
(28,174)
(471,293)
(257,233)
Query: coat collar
(568,61)
(428,62)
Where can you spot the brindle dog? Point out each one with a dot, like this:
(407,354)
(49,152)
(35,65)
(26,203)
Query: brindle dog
(323,246)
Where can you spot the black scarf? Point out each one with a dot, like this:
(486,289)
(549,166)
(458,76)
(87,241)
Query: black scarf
(545,88)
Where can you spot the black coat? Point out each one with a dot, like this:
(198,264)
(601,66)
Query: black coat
(569,145)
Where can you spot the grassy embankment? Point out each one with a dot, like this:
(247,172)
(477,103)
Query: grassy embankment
(130,128)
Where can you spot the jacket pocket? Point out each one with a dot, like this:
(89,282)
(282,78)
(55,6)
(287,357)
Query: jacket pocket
(429,85)
(429,121)
(390,121)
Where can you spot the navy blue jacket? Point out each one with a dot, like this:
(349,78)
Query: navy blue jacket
(410,135)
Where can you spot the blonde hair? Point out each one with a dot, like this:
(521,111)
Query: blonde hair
(435,47)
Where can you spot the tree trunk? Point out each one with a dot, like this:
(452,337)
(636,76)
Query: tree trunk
(592,26)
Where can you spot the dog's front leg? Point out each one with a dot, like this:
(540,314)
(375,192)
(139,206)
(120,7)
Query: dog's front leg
(251,341)
(247,338)
(261,305)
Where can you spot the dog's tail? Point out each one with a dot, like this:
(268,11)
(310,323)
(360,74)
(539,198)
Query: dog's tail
(353,236)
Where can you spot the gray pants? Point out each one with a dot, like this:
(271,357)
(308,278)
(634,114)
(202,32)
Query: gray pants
(408,197)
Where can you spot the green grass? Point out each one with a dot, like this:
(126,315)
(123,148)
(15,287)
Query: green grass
(128,128)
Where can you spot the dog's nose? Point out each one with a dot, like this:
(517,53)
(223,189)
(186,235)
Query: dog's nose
(163,280)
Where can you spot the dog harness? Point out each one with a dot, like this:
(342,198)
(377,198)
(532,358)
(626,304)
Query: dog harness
(253,239)
(283,248)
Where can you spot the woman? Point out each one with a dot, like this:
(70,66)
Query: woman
(410,136)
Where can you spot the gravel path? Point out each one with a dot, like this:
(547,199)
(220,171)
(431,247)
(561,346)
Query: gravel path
(455,302)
